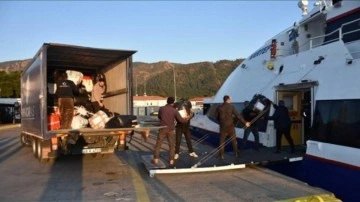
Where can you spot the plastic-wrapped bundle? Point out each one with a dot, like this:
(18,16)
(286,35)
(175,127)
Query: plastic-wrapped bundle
(184,107)
(51,88)
(74,76)
(79,122)
(127,121)
(258,103)
(83,100)
(122,121)
(98,120)
(87,83)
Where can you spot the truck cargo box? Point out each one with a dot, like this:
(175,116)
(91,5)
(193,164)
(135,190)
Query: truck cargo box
(85,65)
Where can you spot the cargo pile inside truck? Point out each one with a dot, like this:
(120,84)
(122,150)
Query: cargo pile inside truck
(84,130)
(84,114)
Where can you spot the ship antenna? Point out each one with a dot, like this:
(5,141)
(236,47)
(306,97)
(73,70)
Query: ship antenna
(303,5)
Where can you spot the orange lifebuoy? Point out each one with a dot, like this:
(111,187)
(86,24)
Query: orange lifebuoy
(273,49)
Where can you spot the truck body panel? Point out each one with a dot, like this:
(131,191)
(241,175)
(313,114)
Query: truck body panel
(38,99)
(31,109)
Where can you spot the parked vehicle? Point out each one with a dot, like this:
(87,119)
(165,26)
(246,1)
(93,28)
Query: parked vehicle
(40,120)
(9,110)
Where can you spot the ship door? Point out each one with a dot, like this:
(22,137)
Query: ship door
(299,99)
(299,103)
(306,114)
(292,101)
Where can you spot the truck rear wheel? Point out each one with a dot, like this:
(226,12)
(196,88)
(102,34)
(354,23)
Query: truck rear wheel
(34,146)
(43,149)
(39,150)
(25,140)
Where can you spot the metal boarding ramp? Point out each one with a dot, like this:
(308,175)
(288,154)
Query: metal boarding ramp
(208,160)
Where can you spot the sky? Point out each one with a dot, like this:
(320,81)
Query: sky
(175,31)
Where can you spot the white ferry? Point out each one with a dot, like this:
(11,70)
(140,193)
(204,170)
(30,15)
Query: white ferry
(313,66)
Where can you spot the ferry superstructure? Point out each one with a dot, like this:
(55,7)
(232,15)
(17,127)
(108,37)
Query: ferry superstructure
(314,67)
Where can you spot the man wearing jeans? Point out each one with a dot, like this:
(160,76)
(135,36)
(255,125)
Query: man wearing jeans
(65,92)
(167,115)
(184,128)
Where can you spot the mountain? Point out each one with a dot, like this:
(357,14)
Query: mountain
(15,65)
(192,80)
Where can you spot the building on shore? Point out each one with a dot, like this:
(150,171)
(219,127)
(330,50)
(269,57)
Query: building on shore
(147,105)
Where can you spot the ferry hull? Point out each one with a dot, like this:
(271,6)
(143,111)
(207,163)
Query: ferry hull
(212,138)
(340,180)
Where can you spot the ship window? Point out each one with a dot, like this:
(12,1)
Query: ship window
(289,102)
(335,2)
(350,32)
(210,111)
(337,122)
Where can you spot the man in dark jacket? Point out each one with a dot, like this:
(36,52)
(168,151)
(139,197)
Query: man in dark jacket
(282,123)
(224,114)
(184,128)
(167,115)
(65,92)
(249,115)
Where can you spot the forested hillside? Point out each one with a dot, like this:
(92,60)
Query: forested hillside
(192,80)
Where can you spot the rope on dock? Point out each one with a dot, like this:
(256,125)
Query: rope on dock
(198,141)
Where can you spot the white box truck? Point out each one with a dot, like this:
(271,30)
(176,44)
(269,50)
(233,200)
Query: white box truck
(39,125)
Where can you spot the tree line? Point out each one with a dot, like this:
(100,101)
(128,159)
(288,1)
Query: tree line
(192,80)
(10,84)
(202,79)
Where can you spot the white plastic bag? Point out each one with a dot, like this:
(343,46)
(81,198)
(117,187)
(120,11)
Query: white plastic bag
(87,82)
(74,76)
(98,120)
(79,122)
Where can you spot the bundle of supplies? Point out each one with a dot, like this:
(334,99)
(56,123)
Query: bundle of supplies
(79,122)
(98,120)
(74,76)
(87,83)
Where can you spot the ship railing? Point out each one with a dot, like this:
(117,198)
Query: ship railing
(304,45)
(348,32)
(351,39)
(318,40)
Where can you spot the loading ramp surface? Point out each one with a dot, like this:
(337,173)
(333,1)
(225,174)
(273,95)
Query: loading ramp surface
(208,160)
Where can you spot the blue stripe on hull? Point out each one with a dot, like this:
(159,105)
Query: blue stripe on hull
(341,181)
